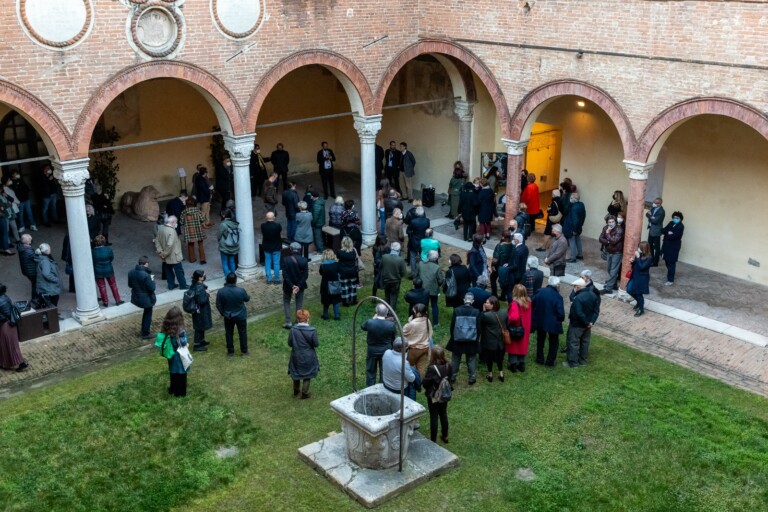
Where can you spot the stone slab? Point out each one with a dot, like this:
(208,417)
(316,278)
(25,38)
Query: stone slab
(369,487)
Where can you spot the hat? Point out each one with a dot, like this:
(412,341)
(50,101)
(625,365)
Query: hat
(579,282)
(586,273)
(295,246)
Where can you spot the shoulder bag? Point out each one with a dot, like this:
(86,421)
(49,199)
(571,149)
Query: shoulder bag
(516,332)
(504,332)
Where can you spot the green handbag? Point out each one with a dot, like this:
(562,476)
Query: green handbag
(166,349)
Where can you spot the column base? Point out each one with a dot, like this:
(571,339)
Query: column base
(369,238)
(247,273)
(87,317)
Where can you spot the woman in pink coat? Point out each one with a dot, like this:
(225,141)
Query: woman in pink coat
(519,313)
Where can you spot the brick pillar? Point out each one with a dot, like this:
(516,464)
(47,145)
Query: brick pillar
(515,161)
(72,175)
(464,110)
(239,148)
(367,127)
(634,222)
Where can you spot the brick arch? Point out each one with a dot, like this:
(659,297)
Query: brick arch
(222,101)
(352,79)
(47,124)
(653,137)
(535,102)
(436,46)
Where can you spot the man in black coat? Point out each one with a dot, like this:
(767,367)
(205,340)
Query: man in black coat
(392,159)
(583,315)
(519,258)
(465,336)
(280,159)
(379,160)
(468,205)
(295,273)
(417,229)
(230,303)
(325,159)
(381,334)
(27,261)
(480,292)
(225,180)
(547,320)
(391,202)
(141,281)
(291,203)
(417,295)
(272,245)
(175,206)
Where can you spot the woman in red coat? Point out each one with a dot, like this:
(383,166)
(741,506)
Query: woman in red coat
(519,313)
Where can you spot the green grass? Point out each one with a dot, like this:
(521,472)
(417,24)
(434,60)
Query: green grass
(629,432)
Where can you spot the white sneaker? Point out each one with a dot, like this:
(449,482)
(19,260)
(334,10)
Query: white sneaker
(33,227)
(668,283)
(21,230)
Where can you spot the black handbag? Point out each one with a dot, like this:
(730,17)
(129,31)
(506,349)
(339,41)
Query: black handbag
(517,332)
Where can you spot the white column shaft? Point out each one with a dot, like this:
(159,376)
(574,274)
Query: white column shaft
(367,128)
(239,148)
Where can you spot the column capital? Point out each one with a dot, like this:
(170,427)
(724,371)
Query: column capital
(464,110)
(72,175)
(638,170)
(240,146)
(367,128)
(515,147)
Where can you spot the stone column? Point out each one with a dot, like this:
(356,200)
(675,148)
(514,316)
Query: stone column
(72,175)
(367,127)
(464,110)
(635,220)
(239,148)
(515,161)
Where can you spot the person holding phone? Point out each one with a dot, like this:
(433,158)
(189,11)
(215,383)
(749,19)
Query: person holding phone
(641,276)
(141,281)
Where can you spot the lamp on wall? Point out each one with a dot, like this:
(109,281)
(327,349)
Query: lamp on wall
(581,103)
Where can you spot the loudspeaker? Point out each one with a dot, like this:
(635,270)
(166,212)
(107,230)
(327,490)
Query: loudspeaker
(38,322)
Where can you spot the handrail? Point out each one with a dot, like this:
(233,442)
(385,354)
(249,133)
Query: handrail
(402,365)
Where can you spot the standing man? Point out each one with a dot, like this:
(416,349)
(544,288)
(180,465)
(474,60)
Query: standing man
(225,180)
(176,205)
(295,273)
(416,231)
(381,334)
(50,195)
(258,171)
(408,171)
(141,281)
(280,158)
(291,203)
(393,271)
(318,220)
(612,239)
(230,303)
(325,159)
(392,158)
(27,261)
(465,337)
(519,258)
(547,320)
(555,256)
(572,226)
(379,164)
(582,317)
(272,245)
(21,190)
(168,247)
(655,218)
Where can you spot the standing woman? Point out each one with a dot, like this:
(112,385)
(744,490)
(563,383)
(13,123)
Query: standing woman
(454,188)
(104,211)
(618,204)
(476,260)
(519,314)
(641,276)
(554,216)
(336,213)
(418,333)
(486,209)
(103,271)
(304,233)
(329,271)
(492,325)
(201,319)
(229,242)
(10,353)
(173,333)
(48,283)
(348,272)
(673,240)
(379,249)
(460,273)
(192,222)
(303,364)
(438,369)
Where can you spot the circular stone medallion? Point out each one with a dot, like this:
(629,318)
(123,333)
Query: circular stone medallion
(56,23)
(156,30)
(237,19)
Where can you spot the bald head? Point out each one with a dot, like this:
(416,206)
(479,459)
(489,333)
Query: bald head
(270,216)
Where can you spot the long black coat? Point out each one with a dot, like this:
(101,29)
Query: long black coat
(641,276)
(486,205)
(468,203)
(329,272)
(142,287)
(464,347)
(202,320)
(463,282)
(303,363)
(672,242)
(548,311)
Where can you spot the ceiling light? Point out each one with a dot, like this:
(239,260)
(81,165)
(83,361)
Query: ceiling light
(581,103)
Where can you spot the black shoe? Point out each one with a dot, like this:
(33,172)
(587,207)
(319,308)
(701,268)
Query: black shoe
(230,354)
(571,260)
(489,377)
(147,336)
(304,396)
(23,366)
(325,317)
(471,383)
(579,257)
(639,312)
(521,367)
(541,249)
(512,367)
(200,348)
(501,377)
(539,361)
(204,343)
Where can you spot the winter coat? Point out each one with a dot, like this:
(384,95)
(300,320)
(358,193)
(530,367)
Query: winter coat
(517,316)
(434,375)
(318,213)
(335,214)
(408,164)
(27,260)
(548,311)
(533,279)
(416,231)
(202,189)
(673,235)
(416,296)
(476,262)
(491,324)
(393,269)
(168,245)
(486,205)
(519,262)
(304,228)
(555,207)
(574,221)
(393,229)
(295,272)
(329,271)
(463,282)
(48,282)
(381,334)
(303,363)
(468,203)
(270,236)
(641,276)
(291,203)
(432,277)
(417,332)
(464,347)
(347,264)
(191,222)
(225,227)
(613,240)
(175,365)
(102,261)
(530,197)
(584,305)
(230,302)
(142,287)
(502,255)
(557,250)
(202,320)
(481,295)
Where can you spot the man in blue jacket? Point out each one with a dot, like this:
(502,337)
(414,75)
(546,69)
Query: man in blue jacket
(547,320)
(574,222)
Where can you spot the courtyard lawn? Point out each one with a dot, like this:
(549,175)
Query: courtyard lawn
(628,432)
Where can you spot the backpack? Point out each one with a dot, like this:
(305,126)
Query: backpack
(188,302)
(465,328)
(450,288)
(232,239)
(443,392)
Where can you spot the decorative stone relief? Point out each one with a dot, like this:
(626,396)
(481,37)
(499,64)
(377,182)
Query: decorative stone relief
(55,24)
(156,27)
(238,19)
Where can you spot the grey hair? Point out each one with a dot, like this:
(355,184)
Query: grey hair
(419,211)
(469,298)
(397,345)
(557,227)
(554,281)
(433,256)
(381,310)
(171,219)
(302,205)
(339,200)
(482,280)
(519,237)
(43,249)
(533,262)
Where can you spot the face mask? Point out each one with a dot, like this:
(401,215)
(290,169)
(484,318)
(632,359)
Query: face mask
(656,205)
(611,224)
(573,199)
(620,221)
(676,221)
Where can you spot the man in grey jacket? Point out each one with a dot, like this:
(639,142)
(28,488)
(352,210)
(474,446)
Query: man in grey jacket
(555,257)
(168,248)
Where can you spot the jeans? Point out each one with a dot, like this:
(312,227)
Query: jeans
(336,311)
(25,209)
(655,242)
(435,310)
(287,303)
(290,228)
(228,263)
(229,334)
(178,270)
(372,362)
(437,411)
(414,257)
(272,266)
(146,321)
(391,293)
(554,345)
(614,264)
(578,345)
(49,204)
(575,246)
(317,234)
(671,267)
(382,221)
(471,366)
(640,298)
